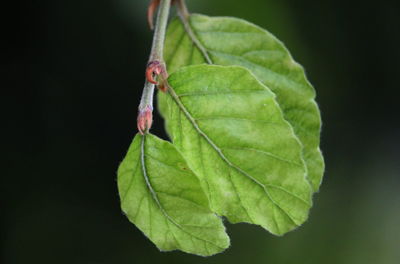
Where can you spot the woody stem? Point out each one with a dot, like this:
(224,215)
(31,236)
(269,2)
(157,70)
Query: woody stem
(159,31)
(156,55)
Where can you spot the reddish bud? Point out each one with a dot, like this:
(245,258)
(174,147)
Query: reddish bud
(145,119)
(154,68)
(150,12)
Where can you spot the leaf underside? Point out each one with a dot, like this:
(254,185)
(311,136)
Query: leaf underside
(163,198)
(232,133)
(232,41)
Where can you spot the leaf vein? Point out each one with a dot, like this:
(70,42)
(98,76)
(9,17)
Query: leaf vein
(220,93)
(218,150)
(130,182)
(181,198)
(266,153)
(155,197)
(238,119)
(280,75)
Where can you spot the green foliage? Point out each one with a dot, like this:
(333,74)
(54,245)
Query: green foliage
(245,131)
(163,198)
(232,133)
(232,41)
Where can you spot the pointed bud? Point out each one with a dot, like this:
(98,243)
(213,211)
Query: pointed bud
(145,119)
(150,12)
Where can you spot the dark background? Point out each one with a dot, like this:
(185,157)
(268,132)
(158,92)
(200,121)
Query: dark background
(73,71)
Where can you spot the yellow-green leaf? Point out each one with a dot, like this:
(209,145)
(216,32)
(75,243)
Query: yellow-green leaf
(232,41)
(163,198)
(232,133)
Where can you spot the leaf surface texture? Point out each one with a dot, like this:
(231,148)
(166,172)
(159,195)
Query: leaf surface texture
(163,198)
(232,133)
(232,41)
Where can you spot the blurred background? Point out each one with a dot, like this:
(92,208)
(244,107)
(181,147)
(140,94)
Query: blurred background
(73,75)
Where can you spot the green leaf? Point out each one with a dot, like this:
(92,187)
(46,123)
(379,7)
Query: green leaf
(232,41)
(163,198)
(232,133)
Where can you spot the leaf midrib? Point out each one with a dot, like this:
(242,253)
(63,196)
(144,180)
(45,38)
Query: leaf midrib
(207,56)
(155,197)
(195,40)
(176,99)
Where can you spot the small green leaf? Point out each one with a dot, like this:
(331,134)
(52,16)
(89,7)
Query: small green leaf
(232,41)
(163,198)
(232,133)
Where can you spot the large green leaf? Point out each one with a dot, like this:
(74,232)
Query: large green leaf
(163,198)
(233,135)
(232,41)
